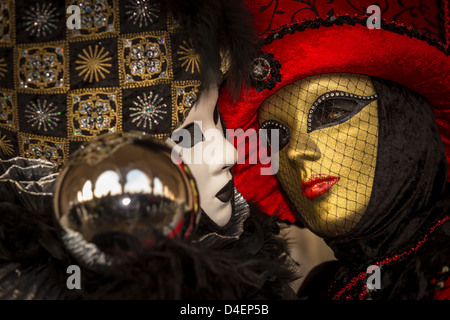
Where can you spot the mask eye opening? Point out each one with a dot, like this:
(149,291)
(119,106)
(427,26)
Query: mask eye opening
(283,133)
(347,103)
(188,136)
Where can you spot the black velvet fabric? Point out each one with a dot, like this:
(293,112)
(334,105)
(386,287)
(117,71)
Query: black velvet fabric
(409,196)
(410,177)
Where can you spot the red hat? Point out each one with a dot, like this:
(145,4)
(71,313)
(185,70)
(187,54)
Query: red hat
(300,39)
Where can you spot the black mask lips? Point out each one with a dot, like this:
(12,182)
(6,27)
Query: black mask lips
(226,193)
(409,178)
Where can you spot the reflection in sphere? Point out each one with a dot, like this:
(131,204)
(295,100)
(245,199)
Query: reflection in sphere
(121,192)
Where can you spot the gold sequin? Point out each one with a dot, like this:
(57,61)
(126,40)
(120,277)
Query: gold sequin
(86,72)
(8,110)
(92,112)
(42,68)
(98,19)
(41,147)
(145,60)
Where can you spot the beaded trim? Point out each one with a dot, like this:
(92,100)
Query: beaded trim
(333,94)
(445,22)
(274,123)
(350,20)
(265,72)
(284,139)
(395,258)
(267,58)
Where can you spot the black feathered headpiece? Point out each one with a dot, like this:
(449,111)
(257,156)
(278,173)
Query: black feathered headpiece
(223,35)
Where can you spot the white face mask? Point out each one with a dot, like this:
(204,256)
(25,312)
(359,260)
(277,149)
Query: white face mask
(202,145)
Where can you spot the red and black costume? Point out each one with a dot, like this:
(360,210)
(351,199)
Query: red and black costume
(406,225)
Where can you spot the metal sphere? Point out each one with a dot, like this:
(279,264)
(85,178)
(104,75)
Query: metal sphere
(120,193)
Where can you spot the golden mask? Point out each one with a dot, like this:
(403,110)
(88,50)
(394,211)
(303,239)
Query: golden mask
(328,147)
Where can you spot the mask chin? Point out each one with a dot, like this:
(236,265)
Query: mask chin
(211,235)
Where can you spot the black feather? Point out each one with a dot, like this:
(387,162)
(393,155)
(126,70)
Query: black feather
(216,28)
(254,267)
(174,269)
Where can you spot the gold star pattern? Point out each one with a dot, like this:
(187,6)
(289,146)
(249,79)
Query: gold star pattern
(7,12)
(191,59)
(93,64)
(5,146)
(84,72)
(3,68)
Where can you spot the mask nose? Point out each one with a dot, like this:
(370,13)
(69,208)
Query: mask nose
(303,150)
(231,155)
(222,154)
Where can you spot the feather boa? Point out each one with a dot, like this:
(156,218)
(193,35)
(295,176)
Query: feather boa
(33,265)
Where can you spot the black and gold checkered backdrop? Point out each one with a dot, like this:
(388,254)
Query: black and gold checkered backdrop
(130,67)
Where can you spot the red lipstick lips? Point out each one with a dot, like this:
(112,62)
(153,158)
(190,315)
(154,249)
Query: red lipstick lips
(317,185)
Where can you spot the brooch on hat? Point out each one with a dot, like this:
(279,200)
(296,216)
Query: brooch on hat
(265,72)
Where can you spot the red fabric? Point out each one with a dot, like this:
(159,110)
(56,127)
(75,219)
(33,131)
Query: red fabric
(271,15)
(351,49)
(262,190)
(444,293)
